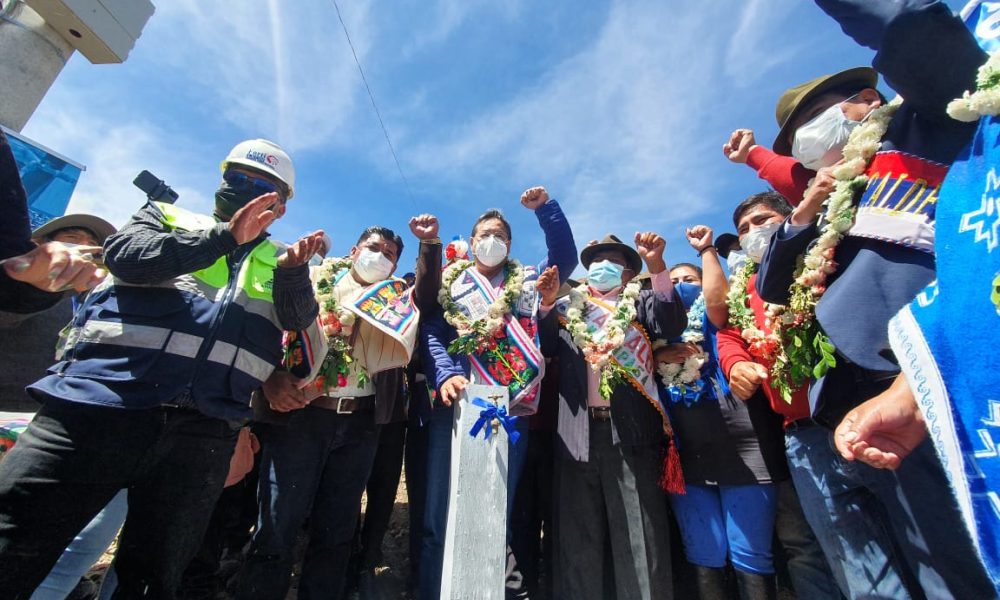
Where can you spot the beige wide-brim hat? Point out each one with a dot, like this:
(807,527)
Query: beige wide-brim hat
(798,97)
(101,228)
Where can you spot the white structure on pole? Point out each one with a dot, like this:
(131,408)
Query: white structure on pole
(37,37)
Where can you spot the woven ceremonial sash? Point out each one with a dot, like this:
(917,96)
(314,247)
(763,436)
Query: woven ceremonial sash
(386,330)
(635,353)
(515,362)
(900,199)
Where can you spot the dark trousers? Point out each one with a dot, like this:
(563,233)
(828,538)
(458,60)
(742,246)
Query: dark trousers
(531,520)
(314,468)
(612,505)
(75,457)
(383,483)
(416,492)
(228,532)
(808,568)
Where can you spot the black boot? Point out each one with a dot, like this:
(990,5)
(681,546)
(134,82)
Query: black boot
(756,587)
(711,583)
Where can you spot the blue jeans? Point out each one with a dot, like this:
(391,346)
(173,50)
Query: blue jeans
(74,458)
(85,550)
(877,527)
(733,520)
(437,494)
(314,467)
(808,567)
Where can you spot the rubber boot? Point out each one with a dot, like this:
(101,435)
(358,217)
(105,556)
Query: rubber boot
(756,587)
(711,583)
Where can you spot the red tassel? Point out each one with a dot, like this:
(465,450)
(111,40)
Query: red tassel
(672,480)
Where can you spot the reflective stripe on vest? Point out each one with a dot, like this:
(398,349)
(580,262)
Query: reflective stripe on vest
(125,329)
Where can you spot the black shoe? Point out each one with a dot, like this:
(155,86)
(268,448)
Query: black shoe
(756,587)
(711,583)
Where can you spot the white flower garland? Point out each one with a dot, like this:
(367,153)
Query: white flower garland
(598,353)
(338,324)
(807,351)
(475,333)
(985,101)
(688,374)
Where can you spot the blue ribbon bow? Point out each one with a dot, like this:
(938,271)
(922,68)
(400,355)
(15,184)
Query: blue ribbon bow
(486,416)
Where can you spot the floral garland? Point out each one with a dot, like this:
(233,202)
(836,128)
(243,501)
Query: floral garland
(338,325)
(807,351)
(985,101)
(478,335)
(599,354)
(686,376)
(765,346)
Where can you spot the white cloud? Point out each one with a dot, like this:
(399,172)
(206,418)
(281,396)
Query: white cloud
(615,131)
(115,153)
(284,72)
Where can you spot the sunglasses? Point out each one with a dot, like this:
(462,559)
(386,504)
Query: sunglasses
(247,182)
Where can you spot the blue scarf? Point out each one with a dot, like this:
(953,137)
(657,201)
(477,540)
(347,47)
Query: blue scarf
(946,340)
(712,384)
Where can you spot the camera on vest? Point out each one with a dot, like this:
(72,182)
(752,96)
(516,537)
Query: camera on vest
(156,189)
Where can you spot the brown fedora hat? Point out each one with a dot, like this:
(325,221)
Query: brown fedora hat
(611,242)
(799,96)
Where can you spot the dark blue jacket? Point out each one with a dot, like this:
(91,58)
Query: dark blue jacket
(927,55)
(436,334)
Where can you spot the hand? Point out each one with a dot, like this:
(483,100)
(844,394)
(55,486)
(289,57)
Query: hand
(452,388)
(249,222)
(884,430)
(301,251)
(547,285)
(676,353)
(745,377)
(740,143)
(282,392)
(700,237)
(812,201)
(424,227)
(55,267)
(534,197)
(651,247)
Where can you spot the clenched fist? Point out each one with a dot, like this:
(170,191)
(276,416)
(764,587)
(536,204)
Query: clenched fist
(740,143)
(424,227)
(745,377)
(700,237)
(651,246)
(547,285)
(534,197)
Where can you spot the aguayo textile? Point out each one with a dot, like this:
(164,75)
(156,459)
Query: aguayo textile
(946,339)
(512,360)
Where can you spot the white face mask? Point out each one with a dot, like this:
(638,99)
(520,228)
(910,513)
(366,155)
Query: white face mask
(755,241)
(820,141)
(373,266)
(491,251)
(735,260)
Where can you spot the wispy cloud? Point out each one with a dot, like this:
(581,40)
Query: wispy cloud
(617,130)
(115,153)
(287,74)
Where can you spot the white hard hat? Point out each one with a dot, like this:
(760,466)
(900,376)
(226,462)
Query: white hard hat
(265,156)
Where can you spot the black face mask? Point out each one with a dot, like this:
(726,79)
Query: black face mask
(229,199)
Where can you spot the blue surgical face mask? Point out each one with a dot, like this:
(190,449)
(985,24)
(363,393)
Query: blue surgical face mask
(604,275)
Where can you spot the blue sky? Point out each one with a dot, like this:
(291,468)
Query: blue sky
(620,108)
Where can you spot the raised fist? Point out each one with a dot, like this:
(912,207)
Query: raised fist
(740,143)
(651,246)
(424,227)
(700,237)
(534,197)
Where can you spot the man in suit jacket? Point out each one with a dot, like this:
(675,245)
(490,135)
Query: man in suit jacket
(610,448)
